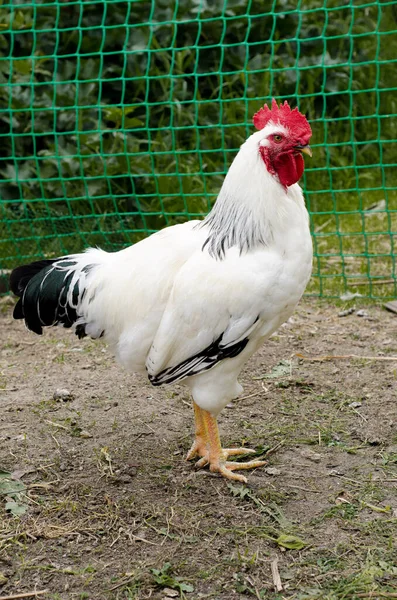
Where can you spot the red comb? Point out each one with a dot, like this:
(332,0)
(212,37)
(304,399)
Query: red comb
(292,119)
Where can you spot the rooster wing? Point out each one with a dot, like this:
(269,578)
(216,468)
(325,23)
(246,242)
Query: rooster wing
(215,308)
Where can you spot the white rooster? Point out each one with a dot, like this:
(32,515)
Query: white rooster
(194,301)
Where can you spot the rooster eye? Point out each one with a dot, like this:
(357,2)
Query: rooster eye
(278,138)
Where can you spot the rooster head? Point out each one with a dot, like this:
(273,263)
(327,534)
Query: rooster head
(286,135)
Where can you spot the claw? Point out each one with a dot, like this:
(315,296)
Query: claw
(201,463)
(194,451)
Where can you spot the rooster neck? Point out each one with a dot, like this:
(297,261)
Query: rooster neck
(250,210)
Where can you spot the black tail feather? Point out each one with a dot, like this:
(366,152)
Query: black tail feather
(19,280)
(45,294)
(21,276)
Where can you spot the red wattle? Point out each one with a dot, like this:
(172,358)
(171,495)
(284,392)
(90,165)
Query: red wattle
(289,168)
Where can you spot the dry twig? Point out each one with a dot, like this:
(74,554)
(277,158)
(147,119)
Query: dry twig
(24,595)
(276,575)
(275,448)
(373,595)
(372,282)
(58,425)
(343,356)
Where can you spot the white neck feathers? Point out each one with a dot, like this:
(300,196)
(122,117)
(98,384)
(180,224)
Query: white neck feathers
(250,207)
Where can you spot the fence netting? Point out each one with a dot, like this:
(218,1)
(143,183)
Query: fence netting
(119,118)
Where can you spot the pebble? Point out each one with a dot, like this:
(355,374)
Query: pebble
(272,471)
(85,434)
(354,404)
(170,593)
(63,395)
(362,313)
(310,455)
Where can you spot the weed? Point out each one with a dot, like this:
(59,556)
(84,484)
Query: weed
(165,577)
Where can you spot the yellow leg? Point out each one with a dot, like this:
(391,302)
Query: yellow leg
(207,445)
(201,442)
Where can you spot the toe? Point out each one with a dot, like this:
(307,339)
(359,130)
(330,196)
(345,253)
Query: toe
(252,464)
(223,470)
(198,448)
(201,463)
(237,451)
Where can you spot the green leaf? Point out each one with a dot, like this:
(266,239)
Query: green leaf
(16,509)
(239,491)
(10,487)
(185,587)
(165,578)
(292,542)
(283,369)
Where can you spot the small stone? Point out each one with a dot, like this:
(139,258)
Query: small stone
(354,404)
(63,395)
(170,593)
(85,434)
(362,313)
(310,455)
(345,313)
(131,470)
(335,473)
(272,471)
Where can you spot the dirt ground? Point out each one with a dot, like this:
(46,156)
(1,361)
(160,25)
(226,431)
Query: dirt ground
(109,508)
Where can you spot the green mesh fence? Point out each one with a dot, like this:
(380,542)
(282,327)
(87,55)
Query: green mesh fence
(119,118)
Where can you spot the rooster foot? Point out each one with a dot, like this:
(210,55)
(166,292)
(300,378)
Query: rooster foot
(226,468)
(219,464)
(207,446)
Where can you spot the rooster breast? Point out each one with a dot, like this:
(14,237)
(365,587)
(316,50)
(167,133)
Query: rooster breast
(225,309)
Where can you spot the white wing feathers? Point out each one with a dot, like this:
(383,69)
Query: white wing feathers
(238,330)
(213,308)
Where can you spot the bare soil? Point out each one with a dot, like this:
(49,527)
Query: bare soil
(113,510)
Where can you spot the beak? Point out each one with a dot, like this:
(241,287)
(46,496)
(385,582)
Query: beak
(305,150)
